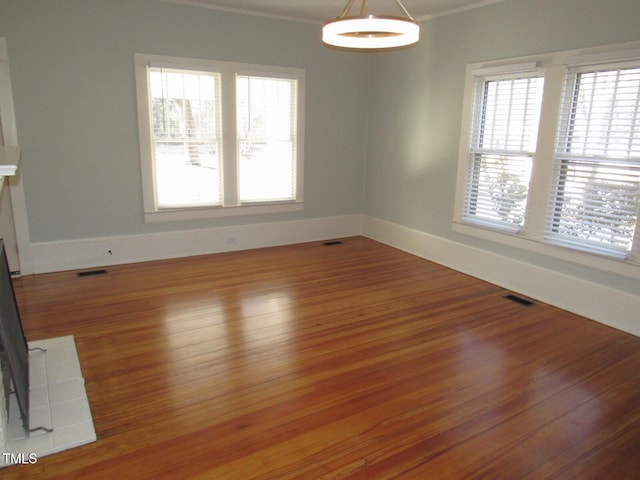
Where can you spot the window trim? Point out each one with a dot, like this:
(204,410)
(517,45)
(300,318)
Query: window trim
(530,237)
(231,205)
(527,71)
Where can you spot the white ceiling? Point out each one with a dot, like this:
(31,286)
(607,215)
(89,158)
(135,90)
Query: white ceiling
(319,11)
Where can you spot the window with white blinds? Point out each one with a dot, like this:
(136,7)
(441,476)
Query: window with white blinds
(186,137)
(596,196)
(216,140)
(502,143)
(550,155)
(267,136)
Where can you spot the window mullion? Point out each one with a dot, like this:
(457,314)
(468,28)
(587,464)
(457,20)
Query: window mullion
(229,140)
(541,181)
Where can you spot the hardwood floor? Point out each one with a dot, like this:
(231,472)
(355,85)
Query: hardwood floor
(351,361)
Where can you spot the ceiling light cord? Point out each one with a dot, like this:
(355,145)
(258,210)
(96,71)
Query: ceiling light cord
(404,10)
(363,7)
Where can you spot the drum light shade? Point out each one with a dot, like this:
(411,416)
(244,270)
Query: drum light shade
(370,32)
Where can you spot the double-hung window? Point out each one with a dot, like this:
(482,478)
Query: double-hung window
(267,131)
(501,147)
(596,191)
(219,138)
(186,137)
(550,155)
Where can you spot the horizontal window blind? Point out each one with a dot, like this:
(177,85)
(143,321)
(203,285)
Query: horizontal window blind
(267,138)
(497,191)
(186,137)
(501,146)
(595,202)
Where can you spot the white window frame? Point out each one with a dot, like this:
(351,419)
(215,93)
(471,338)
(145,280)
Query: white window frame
(231,205)
(514,155)
(531,236)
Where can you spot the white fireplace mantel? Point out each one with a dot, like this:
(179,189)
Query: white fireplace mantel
(9,161)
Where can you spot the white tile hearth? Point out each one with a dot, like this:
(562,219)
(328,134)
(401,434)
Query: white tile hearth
(58,401)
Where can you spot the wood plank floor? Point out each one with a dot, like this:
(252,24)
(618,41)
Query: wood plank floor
(351,361)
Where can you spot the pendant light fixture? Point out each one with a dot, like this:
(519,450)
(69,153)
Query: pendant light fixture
(370,32)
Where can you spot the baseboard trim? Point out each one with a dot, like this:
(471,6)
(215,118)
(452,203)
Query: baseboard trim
(57,256)
(597,302)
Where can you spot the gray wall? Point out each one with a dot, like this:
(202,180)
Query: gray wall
(74,91)
(382,130)
(416,106)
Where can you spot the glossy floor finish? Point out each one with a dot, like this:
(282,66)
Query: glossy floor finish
(351,361)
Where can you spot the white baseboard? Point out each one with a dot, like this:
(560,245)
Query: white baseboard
(595,301)
(99,252)
(603,304)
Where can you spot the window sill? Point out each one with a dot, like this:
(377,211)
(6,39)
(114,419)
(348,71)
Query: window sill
(171,215)
(619,267)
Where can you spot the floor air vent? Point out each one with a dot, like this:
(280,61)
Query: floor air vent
(90,273)
(520,300)
(332,242)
